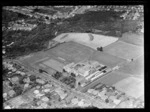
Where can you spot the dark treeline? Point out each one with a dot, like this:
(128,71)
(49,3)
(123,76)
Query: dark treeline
(35,40)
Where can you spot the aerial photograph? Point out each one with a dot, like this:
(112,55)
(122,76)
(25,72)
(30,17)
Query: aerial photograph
(73,57)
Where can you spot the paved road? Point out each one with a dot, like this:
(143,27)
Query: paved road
(93,100)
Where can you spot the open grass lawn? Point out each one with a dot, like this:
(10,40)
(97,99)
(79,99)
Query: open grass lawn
(107,59)
(108,79)
(113,77)
(72,52)
(34,58)
(133,38)
(135,67)
(132,86)
(56,65)
(124,50)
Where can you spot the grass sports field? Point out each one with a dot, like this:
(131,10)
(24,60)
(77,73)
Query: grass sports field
(72,52)
(107,59)
(124,50)
(34,58)
(87,39)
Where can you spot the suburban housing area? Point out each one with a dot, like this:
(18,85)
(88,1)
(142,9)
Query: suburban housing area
(91,69)
(80,56)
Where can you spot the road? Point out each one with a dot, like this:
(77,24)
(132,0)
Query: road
(93,100)
(93,83)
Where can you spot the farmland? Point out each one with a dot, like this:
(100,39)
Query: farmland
(107,59)
(113,77)
(72,52)
(73,49)
(132,86)
(136,67)
(90,40)
(132,38)
(124,50)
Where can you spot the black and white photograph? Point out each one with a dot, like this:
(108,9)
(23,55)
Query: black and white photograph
(73,57)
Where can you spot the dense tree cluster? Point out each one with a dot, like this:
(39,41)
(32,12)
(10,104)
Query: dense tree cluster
(27,42)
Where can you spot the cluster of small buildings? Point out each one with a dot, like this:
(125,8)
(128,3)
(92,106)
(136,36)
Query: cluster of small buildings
(90,70)
(113,97)
(12,80)
(43,96)
(13,67)
(21,25)
(130,15)
(40,93)
(76,10)
(80,102)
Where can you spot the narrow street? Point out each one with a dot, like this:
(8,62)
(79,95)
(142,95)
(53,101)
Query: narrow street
(47,77)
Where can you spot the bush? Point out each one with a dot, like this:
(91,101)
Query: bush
(17,89)
(32,78)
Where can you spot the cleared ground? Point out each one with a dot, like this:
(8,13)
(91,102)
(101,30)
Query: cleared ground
(107,59)
(87,39)
(124,50)
(132,86)
(132,38)
(135,67)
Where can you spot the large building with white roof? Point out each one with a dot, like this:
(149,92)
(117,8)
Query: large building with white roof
(84,68)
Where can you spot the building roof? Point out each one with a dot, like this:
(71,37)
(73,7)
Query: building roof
(85,66)
(17,101)
(61,93)
(74,100)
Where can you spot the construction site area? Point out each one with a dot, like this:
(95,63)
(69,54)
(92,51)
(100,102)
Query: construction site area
(77,62)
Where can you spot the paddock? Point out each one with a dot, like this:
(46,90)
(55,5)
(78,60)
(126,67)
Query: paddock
(124,50)
(88,39)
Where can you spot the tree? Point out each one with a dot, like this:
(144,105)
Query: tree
(32,78)
(17,89)
(113,88)
(41,71)
(73,75)
(107,101)
(101,49)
